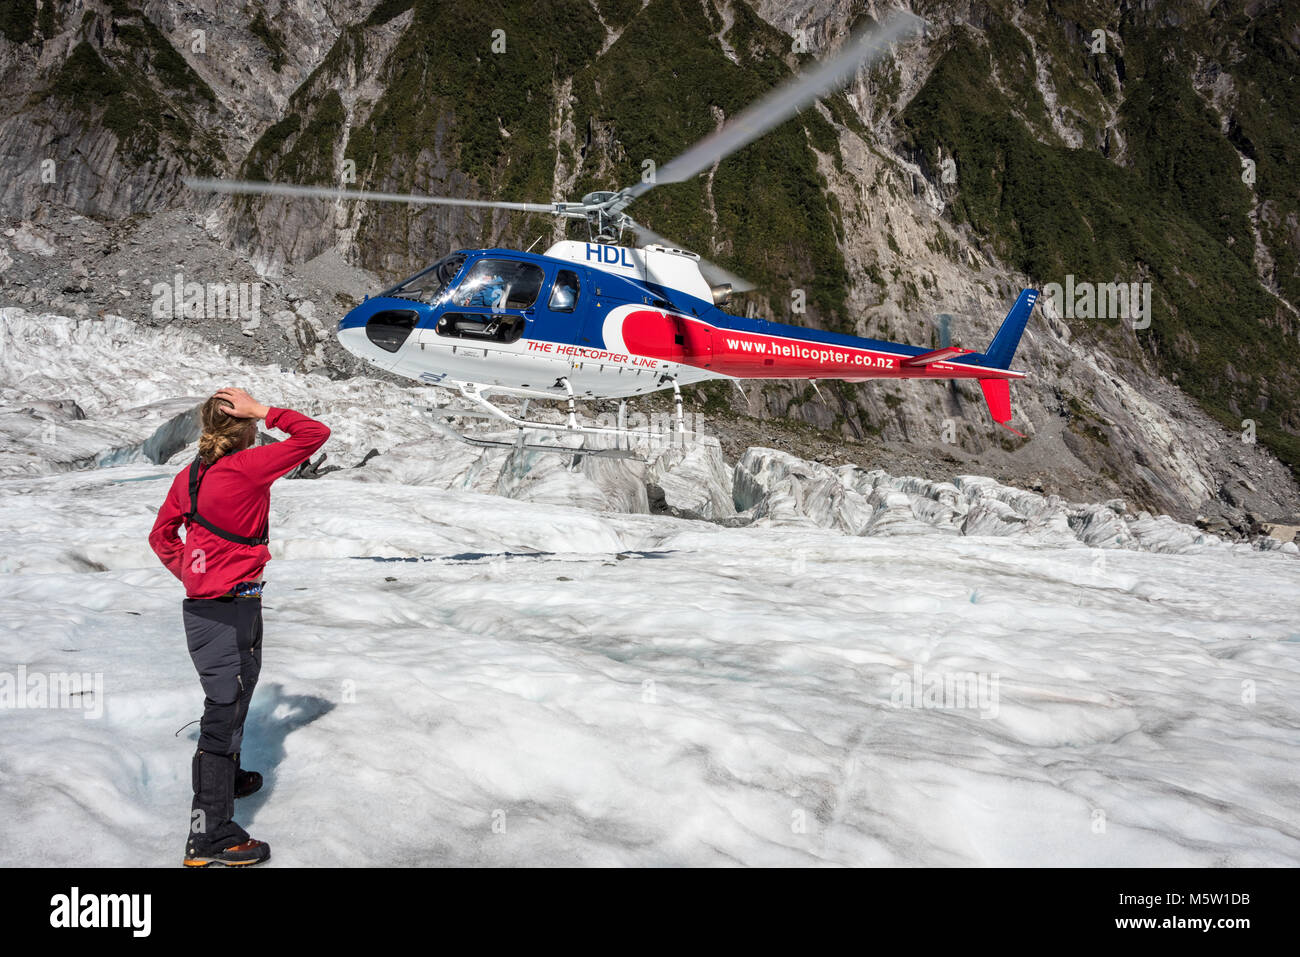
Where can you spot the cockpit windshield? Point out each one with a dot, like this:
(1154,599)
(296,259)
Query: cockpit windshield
(429,283)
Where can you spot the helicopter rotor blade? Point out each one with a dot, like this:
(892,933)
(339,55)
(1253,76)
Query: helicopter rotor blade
(244,187)
(777,107)
(772,110)
(715,275)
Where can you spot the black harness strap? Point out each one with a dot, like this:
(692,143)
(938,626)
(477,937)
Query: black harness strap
(192,517)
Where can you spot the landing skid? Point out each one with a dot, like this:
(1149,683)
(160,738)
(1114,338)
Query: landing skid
(623,436)
(577,452)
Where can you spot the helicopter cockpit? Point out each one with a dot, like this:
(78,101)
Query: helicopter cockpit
(429,283)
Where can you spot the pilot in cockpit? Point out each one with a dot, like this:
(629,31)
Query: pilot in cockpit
(489,293)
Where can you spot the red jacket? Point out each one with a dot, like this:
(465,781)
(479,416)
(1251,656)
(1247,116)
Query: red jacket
(235,495)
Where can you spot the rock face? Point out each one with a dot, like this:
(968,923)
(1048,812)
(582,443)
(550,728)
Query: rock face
(868,211)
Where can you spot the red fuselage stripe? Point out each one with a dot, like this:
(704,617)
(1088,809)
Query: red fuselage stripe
(751,355)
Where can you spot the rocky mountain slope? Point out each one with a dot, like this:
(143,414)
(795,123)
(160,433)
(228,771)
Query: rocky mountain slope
(1002,149)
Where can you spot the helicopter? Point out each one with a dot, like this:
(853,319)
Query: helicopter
(602,320)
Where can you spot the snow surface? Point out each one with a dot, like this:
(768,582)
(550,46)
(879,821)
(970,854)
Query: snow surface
(462,666)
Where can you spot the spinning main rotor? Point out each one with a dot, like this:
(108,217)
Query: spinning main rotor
(604,211)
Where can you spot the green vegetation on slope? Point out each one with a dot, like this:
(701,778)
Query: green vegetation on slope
(1262,54)
(1175,146)
(261,29)
(266,151)
(17,17)
(657,89)
(451,103)
(145,92)
(311,160)
(1052,211)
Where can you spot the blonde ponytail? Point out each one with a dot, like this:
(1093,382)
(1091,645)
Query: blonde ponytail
(222,432)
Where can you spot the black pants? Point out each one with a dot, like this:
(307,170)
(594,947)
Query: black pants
(225,642)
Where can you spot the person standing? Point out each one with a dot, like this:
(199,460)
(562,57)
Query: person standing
(224,498)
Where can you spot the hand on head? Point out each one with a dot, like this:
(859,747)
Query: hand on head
(240,405)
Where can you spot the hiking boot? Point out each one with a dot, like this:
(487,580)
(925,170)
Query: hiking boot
(241,855)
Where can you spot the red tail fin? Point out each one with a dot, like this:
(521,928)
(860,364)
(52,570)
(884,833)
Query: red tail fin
(997,393)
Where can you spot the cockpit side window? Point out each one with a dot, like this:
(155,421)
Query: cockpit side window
(428,284)
(564,294)
(500,284)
